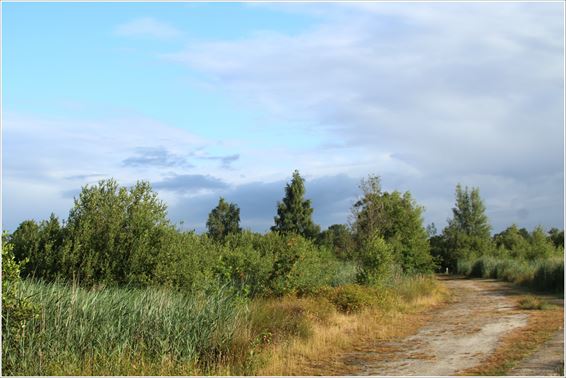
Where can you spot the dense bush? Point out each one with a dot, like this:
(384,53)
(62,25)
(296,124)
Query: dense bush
(376,262)
(349,298)
(276,264)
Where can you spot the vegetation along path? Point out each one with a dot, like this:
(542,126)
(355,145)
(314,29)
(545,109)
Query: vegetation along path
(460,336)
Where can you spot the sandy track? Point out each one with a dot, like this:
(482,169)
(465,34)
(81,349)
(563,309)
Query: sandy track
(460,335)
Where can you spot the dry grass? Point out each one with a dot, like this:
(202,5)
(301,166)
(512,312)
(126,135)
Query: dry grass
(520,343)
(322,352)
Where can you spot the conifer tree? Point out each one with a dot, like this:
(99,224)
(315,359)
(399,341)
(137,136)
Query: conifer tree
(294,213)
(468,231)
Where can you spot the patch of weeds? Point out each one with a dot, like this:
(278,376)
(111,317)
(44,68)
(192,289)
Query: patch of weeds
(530,302)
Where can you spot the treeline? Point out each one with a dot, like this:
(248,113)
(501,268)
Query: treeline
(121,236)
(116,236)
(466,246)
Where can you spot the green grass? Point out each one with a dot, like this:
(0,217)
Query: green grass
(530,302)
(118,331)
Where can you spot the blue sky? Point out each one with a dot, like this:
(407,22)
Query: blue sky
(206,99)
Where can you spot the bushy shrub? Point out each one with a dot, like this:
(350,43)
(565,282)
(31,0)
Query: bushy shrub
(186,261)
(349,298)
(18,312)
(375,261)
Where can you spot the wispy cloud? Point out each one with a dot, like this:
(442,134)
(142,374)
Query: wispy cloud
(85,176)
(225,161)
(190,183)
(147,27)
(155,157)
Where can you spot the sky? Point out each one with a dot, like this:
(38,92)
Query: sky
(226,99)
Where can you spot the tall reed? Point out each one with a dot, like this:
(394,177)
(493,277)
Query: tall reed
(542,274)
(124,331)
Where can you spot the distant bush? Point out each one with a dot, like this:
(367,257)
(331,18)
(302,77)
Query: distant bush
(541,274)
(485,267)
(276,264)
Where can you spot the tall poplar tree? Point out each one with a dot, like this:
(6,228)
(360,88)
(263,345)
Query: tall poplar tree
(294,213)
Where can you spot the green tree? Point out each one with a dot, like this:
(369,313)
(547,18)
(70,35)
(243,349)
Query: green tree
(512,242)
(223,220)
(541,247)
(294,213)
(25,243)
(39,245)
(114,234)
(557,237)
(338,238)
(468,231)
(396,218)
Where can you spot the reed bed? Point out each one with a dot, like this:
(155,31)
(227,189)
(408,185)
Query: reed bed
(126,331)
(542,274)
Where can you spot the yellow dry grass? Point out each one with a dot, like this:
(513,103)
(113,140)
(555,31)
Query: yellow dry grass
(320,354)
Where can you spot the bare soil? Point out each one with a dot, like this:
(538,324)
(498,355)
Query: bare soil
(458,336)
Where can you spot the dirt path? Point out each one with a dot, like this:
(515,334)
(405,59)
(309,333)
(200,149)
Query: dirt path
(459,336)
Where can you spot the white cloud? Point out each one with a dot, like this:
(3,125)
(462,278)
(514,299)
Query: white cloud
(448,91)
(46,159)
(147,27)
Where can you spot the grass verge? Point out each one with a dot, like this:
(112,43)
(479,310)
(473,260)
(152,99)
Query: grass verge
(360,316)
